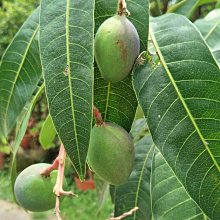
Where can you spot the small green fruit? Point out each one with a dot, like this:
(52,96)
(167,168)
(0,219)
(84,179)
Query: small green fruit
(34,192)
(111,153)
(117,45)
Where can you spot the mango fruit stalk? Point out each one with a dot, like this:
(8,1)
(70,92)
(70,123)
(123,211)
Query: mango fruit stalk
(117,45)
(111,153)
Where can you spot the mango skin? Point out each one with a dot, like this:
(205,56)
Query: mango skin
(34,192)
(111,153)
(117,45)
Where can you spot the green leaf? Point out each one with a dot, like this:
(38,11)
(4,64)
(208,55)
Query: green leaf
(153,186)
(117,101)
(102,191)
(47,133)
(188,7)
(210,29)
(169,198)
(20,72)
(21,129)
(6,149)
(180,99)
(135,193)
(66,45)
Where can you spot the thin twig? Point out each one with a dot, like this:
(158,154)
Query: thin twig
(58,188)
(126,214)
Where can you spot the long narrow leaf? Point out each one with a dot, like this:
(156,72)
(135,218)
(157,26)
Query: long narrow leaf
(180,99)
(20,72)
(21,129)
(66,45)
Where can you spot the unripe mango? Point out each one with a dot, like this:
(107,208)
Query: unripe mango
(117,45)
(34,192)
(111,153)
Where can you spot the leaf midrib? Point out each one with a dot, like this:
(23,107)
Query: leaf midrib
(163,62)
(140,178)
(70,84)
(19,70)
(211,30)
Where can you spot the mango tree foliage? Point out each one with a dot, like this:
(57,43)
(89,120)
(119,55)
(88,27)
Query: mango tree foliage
(179,97)
(66,46)
(20,72)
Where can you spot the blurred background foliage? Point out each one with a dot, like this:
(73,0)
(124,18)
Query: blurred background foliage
(12,15)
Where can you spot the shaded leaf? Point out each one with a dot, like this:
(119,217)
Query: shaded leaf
(136,191)
(21,129)
(117,101)
(20,72)
(210,29)
(47,133)
(169,198)
(66,45)
(180,100)
(154,187)
(102,190)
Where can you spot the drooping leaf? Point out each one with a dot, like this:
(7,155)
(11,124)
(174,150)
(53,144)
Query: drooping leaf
(47,133)
(180,100)
(20,72)
(21,129)
(188,7)
(117,101)
(66,45)
(210,29)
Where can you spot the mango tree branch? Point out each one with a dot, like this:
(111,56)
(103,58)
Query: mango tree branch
(58,188)
(126,214)
(59,163)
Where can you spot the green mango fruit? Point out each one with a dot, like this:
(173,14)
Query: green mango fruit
(34,192)
(117,45)
(111,153)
